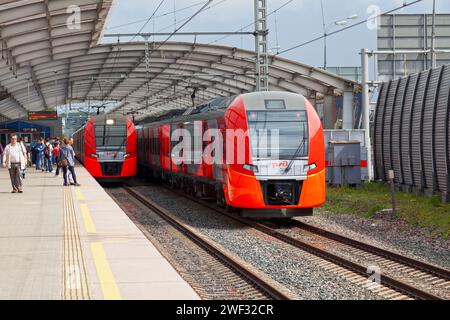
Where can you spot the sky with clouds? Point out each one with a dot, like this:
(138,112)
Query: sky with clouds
(297,22)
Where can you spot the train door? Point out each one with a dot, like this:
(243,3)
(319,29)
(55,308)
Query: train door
(206,160)
(150,149)
(180,167)
(219,169)
(156,156)
(166,148)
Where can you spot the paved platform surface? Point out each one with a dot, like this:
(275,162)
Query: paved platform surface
(76,243)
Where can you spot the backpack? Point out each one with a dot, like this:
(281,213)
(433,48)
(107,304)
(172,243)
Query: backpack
(47,150)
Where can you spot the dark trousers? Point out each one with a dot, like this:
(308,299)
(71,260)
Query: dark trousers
(16,178)
(48,163)
(72,171)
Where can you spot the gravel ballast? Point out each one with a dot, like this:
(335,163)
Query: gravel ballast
(207,275)
(388,233)
(287,265)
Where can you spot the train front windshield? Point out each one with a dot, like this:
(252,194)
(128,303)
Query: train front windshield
(110,136)
(292,130)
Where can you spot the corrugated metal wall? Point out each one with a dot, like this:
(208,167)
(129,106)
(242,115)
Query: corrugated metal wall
(412,132)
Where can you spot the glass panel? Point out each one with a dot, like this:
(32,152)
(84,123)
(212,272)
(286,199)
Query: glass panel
(110,136)
(292,128)
(275,104)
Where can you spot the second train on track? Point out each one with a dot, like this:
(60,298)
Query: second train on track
(277,166)
(106,145)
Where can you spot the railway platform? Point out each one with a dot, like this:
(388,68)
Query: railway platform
(76,243)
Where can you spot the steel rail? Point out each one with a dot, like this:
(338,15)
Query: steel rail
(438,271)
(360,269)
(211,247)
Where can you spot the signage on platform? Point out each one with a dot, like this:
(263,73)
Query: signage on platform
(42,115)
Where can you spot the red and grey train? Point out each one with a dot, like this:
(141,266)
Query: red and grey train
(285,183)
(106,145)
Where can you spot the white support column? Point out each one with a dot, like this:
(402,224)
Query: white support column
(347,109)
(366,110)
(328,111)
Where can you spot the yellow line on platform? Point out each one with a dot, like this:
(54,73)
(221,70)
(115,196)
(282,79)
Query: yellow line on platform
(79,194)
(88,223)
(104,272)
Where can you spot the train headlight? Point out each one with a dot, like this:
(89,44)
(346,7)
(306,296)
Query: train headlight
(94,155)
(110,122)
(310,167)
(126,155)
(251,167)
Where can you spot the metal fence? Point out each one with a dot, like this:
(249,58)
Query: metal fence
(412,131)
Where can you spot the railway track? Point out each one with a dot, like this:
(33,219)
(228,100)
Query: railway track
(256,281)
(389,286)
(427,278)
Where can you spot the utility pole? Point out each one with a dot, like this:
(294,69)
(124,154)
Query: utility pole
(366,110)
(324,38)
(433,38)
(262,57)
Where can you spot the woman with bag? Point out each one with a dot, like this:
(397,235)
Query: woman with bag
(67,161)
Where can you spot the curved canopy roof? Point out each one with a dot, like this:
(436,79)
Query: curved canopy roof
(44,64)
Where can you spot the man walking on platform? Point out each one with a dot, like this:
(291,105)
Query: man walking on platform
(14,160)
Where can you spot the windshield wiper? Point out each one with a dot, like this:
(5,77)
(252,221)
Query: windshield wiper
(300,148)
(120,147)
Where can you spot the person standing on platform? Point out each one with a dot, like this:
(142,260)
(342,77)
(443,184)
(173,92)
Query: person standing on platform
(67,161)
(54,144)
(1,151)
(56,157)
(13,159)
(40,154)
(48,155)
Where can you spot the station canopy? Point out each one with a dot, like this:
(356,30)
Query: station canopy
(46,62)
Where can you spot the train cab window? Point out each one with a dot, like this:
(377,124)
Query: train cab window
(110,136)
(292,127)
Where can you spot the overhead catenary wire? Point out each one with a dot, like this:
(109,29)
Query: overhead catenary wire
(242,28)
(186,18)
(404,5)
(253,22)
(318,38)
(148,20)
(335,32)
(183,25)
(156,16)
(117,56)
(180,66)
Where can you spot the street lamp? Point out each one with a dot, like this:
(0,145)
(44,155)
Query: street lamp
(326,29)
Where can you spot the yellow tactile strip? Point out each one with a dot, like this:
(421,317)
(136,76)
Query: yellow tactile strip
(75,284)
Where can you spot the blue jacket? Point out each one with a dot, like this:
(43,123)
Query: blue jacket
(40,149)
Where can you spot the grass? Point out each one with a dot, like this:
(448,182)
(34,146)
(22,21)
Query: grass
(370,198)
